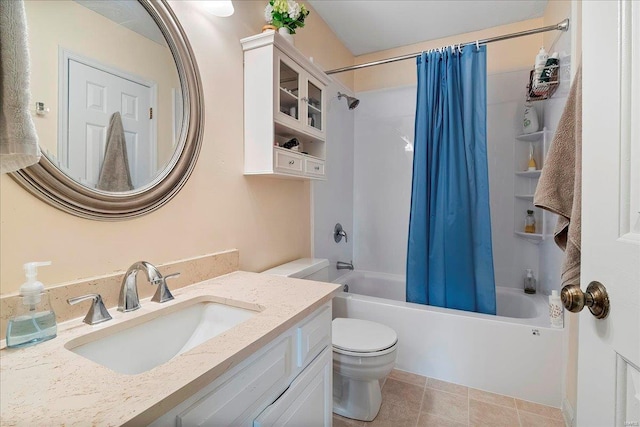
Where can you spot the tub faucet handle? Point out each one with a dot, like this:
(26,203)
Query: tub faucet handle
(339,233)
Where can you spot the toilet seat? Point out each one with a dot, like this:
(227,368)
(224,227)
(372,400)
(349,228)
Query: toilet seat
(370,354)
(362,338)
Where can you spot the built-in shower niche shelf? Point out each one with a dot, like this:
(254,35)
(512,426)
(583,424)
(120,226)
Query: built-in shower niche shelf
(530,174)
(528,197)
(532,237)
(526,182)
(531,137)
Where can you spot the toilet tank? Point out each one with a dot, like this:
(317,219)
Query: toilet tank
(304,268)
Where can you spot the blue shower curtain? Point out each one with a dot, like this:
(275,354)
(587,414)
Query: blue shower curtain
(449,258)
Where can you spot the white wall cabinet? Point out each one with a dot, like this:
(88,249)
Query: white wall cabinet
(284,98)
(287,382)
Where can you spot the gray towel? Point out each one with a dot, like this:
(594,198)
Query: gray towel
(560,187)
(114,174)
(18,138)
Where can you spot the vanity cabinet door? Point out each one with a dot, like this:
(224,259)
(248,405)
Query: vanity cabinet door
(308,401)
(313,336)
(229,403)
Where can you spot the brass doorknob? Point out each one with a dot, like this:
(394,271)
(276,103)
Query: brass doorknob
(596,298)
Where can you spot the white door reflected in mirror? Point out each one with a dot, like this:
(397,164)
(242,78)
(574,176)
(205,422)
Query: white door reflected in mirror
(94,95)
(111,57)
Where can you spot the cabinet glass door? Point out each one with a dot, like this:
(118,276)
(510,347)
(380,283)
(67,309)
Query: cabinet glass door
(289,92)
(314,104)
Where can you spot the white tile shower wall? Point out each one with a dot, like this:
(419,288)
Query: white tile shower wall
(333,198)
(384,125)
(505,101)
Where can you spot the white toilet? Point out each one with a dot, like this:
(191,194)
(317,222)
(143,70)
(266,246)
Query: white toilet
(364,352)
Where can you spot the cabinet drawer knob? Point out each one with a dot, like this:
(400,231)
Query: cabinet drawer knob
(317,168)
(291,162)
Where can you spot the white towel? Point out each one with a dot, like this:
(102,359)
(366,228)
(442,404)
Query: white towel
(18,138)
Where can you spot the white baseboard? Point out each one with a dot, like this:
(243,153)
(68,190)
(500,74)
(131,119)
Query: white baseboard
(568,413)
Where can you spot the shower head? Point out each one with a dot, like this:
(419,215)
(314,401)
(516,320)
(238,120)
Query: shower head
(351,101)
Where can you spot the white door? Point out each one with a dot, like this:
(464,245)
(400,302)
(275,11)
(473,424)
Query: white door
(608,382)
(94,95)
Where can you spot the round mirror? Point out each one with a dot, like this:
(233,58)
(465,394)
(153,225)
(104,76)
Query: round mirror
(118,106)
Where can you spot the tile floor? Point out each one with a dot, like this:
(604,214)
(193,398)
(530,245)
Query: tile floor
(410,400)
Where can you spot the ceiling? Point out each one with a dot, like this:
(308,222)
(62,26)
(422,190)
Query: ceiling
(129,14)
(371,26)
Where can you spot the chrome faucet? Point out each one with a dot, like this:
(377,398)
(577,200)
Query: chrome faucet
(344,265)
(128,300)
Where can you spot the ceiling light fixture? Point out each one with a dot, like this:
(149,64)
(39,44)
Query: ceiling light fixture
(222,8)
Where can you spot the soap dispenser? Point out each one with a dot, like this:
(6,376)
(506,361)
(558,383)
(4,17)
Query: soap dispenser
(529,282)
(34,320)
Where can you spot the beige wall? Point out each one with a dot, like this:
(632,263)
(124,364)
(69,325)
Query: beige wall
(66,24)
(219,208)
(556,11)
(502,56)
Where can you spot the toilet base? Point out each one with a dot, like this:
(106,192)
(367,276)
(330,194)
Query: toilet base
(359,400)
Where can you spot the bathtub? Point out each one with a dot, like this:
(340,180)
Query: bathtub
(515,352)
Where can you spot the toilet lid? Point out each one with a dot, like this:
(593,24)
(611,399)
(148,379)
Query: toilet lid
(361,336)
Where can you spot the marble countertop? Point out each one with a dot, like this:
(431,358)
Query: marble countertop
(47,384)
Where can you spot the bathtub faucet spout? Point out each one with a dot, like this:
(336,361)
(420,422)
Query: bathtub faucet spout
(344,265)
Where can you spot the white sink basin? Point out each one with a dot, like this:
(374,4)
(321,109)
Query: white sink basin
(140,345)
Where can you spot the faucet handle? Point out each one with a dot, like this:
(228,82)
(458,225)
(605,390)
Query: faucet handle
(163,294)
(339,233)
(97,313)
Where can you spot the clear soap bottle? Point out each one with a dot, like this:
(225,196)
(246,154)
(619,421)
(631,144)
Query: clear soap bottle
(530,222)
(529,282)
(34,320)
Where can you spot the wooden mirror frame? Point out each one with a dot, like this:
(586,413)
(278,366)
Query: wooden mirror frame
(48,183)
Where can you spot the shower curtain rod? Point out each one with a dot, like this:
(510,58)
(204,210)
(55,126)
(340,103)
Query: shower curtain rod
(561,26)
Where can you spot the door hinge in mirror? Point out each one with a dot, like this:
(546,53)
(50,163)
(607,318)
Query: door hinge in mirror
(150,113)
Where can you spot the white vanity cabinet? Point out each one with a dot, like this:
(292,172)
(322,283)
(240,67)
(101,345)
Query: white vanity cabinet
(307,402)
(284,97)
(287,382)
